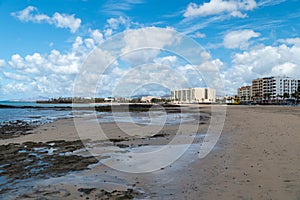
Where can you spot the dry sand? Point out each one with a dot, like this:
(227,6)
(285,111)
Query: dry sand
(256,157)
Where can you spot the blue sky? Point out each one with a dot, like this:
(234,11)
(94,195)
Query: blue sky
(45,43)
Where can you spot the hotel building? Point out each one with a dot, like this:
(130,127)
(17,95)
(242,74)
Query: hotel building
(245,93)
(194,95)
(273,87)
(284,85)
(257,89)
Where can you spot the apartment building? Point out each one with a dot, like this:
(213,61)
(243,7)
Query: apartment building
(273,87)
(284,85)
(194,95)
(257,88)
(245,93)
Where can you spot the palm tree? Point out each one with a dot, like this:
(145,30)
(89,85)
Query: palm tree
(257,98)
(296,95)
(278,98)
(267,96)
(243,98)
(285,95)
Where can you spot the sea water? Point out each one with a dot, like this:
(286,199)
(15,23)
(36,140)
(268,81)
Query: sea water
(32,112)
(38,113)
(147,118)
(32,115)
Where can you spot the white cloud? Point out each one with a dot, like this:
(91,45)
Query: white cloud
(2,63)
(77,43)
(97,69)
(211,66)
(108,32)
(59,20)
(264,59)
(205,56)
(115,7)
(15,76)
(26,15)
(285,68)
(35,58)
(16,61)
(260,62)
(239,39)
(63,63)
(66,21)
(117,25)
(263,3)
(291,41)
(50,74)
(167,61)
(97,36)
(143,45)
(238,14)
(15,88)
(143,76)
(114,23)
(217,7)
(89,43)
(54,73)
(198,35)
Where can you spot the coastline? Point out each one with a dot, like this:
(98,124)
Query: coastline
(256,157)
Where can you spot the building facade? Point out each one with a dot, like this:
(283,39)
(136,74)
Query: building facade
(148,99)
(194,95)
(284,86)
(257,89)
(245,93)
(269,88)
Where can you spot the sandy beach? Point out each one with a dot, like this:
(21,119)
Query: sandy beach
(256,157)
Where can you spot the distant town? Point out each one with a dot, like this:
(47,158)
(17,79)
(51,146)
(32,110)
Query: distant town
(190,95)
(270,90)
(275,90)
(143,99)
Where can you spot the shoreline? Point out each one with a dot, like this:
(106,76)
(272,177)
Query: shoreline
(255,157)
(46,142)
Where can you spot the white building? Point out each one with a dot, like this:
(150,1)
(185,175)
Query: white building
(109,99)
(225,99)
(148,99)
(284,85)
(274,87)
(194,95)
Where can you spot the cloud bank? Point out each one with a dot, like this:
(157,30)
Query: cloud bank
(263,61)
(30,14)
(239,39)
(233,8)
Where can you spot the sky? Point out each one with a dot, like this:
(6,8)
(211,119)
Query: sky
(46,45)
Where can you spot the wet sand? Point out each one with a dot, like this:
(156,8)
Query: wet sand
(256,157)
